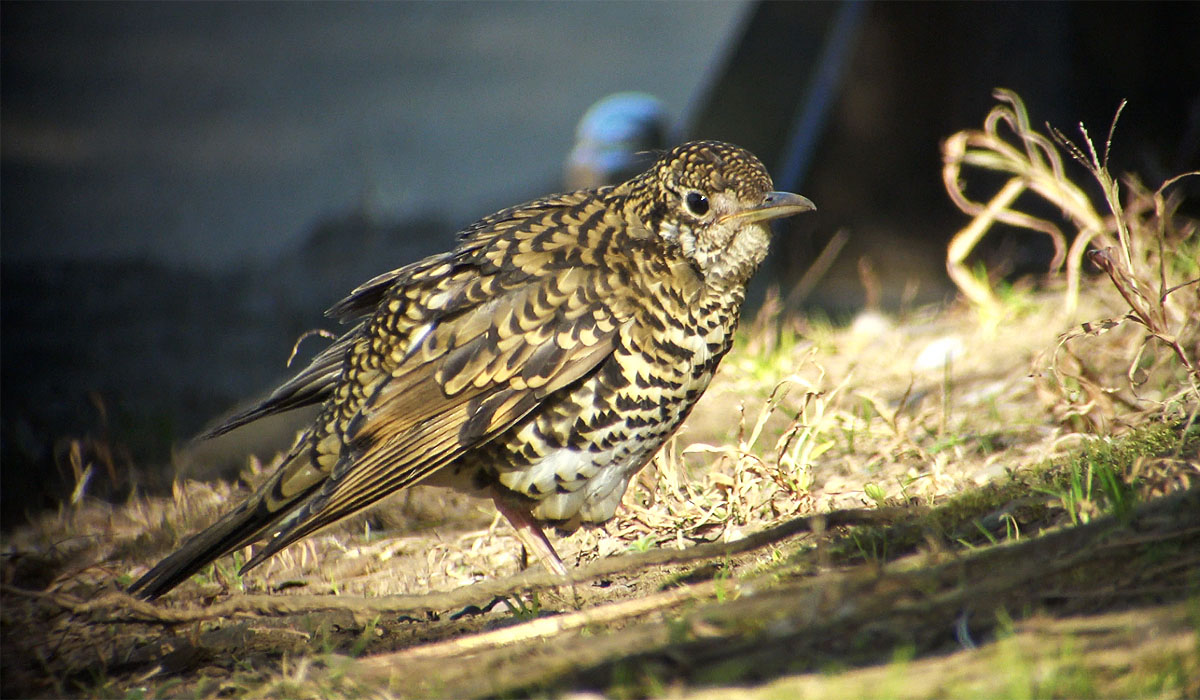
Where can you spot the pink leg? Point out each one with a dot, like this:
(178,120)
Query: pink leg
(530,534)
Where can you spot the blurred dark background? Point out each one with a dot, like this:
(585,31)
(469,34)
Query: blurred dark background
(185,187)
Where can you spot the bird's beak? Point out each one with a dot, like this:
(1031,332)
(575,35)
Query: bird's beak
(777,205)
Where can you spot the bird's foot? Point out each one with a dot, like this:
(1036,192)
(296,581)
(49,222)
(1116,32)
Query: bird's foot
(530,533)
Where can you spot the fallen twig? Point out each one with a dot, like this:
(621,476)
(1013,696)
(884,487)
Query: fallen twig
(792,624)
(120,607)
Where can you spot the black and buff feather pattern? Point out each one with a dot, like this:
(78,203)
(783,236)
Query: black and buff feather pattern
(544,359)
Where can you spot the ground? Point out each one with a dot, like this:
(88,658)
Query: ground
(950,523)
(993,498)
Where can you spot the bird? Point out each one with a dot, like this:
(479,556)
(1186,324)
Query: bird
(542,361)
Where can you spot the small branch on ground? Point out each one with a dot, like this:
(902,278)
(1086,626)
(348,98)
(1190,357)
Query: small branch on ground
(119,607)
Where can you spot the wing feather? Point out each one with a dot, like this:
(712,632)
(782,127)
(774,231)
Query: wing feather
(379,467)
(389,450)
(504,333)
(311,385)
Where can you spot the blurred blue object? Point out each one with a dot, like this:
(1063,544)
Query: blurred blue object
(616,138)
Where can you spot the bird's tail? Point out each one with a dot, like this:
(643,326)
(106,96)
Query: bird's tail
(272,503)
(237,528)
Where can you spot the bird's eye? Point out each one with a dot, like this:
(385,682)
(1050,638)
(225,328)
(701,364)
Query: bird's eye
(696,203)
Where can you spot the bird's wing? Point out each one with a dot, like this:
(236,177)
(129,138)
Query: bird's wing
(463,351)
(311,385)
(316,381)
(366,297)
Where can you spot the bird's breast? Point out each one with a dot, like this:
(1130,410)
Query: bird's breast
(576,455)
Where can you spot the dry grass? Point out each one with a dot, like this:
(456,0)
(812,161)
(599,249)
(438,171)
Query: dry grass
(997,421)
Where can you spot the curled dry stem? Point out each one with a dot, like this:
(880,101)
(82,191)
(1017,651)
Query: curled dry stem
(1036,165)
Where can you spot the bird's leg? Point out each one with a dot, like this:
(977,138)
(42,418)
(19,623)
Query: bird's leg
(529,532)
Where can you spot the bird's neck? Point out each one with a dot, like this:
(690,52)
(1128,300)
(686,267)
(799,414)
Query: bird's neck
(731,267)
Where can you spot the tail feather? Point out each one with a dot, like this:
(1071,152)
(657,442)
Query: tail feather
(280,496)
(237,528)
(311,385)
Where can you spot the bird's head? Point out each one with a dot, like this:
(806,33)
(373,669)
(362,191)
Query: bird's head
(714,201)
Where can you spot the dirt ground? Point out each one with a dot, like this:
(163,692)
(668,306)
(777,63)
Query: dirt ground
(903,507)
